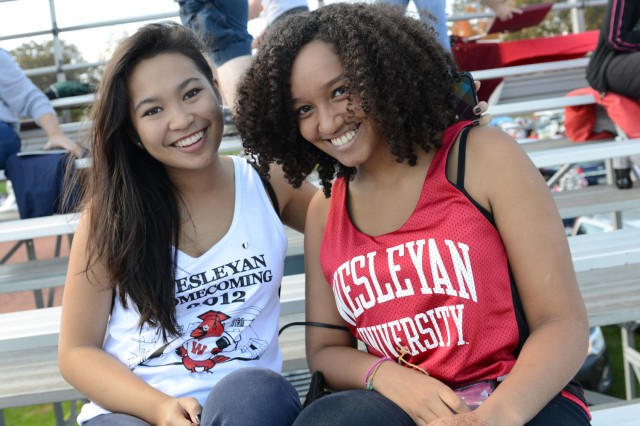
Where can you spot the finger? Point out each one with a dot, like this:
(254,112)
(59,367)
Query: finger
(481,108)
(455,403)
(421,422)
(477,83)
(193,409)
(516,10)
(485,119)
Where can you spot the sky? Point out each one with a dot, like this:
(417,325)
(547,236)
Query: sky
(26,16)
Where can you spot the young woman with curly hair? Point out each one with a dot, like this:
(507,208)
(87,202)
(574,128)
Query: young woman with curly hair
(178,256)
(434,242)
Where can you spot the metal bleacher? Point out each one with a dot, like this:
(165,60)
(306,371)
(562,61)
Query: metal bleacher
(28,358)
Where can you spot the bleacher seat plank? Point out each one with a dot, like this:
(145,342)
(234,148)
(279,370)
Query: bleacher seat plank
(596,199)
(30,329)
(584,152)
(34,275)
(33,377)
(623,413)
(605,250)
(519,70)
(292,294)
(529,107)
(612,295)
(38,227)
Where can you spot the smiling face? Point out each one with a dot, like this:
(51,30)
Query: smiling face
(175,111)
(320,101)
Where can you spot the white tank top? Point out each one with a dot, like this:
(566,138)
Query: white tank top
(226,303)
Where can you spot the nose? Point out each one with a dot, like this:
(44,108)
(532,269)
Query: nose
(330,119)
(181,118)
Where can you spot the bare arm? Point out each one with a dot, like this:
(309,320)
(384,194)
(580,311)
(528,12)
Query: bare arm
(334,352)
(57,139)
(255,7)
(501,177)
(85,312)
(294,202)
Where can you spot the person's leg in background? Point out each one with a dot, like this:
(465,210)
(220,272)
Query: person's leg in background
(223,23)
(9,142)
(252,396)
(623,76)
(432,13)
(9,145)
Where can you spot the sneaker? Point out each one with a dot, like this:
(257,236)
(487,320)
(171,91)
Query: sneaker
(9,204)
(229,126)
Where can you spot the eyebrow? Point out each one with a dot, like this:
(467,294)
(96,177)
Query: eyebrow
(179,88)
(328,84)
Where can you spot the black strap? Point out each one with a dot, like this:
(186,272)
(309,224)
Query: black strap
(462,149)
(269,188)
(313,324)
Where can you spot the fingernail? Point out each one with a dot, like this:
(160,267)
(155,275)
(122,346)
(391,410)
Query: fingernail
(476,122)
(477,110)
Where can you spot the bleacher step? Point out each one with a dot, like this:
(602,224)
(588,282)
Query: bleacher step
(596,199)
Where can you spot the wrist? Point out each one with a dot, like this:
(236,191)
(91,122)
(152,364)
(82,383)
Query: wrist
(499,414)
(368,378)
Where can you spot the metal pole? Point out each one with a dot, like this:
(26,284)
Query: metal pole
(577,18)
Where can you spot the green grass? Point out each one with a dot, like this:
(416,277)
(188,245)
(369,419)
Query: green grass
(36,415)
(43,415)
(614,349)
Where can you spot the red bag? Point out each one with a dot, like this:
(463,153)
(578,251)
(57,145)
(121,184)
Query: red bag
(580,120)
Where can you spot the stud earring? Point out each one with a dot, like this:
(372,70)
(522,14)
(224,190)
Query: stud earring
(139,145)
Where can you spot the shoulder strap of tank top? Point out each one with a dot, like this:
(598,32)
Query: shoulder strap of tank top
(462,149)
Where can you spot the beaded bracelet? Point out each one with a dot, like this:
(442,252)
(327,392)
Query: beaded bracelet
(368,378)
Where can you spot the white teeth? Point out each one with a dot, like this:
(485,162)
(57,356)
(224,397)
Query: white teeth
(190,140)
(344,138)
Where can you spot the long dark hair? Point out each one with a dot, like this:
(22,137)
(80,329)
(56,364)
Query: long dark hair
(134,206)
(392,63)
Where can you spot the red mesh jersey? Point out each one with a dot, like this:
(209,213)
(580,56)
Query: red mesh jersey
(439,286)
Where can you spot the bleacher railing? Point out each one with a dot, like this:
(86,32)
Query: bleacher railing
(576,6)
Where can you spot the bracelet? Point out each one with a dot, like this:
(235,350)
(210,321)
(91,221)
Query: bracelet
(368,378)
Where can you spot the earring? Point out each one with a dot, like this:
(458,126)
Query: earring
(139,145)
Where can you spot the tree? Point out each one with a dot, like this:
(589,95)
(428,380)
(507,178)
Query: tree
(32,55)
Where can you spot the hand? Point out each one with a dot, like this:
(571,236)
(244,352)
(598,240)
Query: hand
(483,119)
(424,398)
(61,141)
(466,419)
(179,412)
(505,11)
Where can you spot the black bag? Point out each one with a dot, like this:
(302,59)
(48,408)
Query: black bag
(316,389)
(317,386)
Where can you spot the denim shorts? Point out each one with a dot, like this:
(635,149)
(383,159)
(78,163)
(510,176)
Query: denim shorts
(222,23)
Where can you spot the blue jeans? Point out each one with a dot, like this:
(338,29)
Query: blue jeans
(433,13)
(223,23)
(9,142)
(248,396)
(369,408)
(354,408)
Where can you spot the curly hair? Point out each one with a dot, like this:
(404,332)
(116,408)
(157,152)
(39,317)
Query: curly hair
(392,64)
